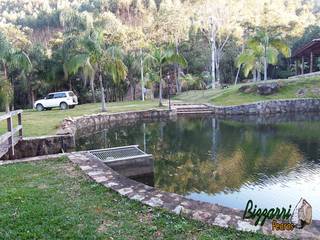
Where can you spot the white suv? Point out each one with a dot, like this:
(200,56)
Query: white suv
(63,100)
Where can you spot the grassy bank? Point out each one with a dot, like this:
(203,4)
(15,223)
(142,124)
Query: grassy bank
(46,122)
(55,200)
(232,96)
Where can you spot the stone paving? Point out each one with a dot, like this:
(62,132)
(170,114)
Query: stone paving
(209,213)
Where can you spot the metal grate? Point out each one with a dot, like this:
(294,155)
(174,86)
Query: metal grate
(118,153)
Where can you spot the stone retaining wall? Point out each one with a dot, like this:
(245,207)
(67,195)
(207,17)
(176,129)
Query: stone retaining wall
(44,145)
(71,126)
(269,107)
(65,138)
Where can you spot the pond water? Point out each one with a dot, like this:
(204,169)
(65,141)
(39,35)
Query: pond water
(273,162)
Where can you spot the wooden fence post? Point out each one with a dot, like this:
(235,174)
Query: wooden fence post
(20,123)
(10,129)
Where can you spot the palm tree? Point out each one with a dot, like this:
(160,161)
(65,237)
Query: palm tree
(262,49)
(159,57)
(251,60)
(11,58)
(272,47)
(133,62)
(96,59)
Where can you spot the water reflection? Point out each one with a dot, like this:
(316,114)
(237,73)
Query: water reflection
(274,163)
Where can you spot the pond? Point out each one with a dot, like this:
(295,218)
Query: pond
(273,161)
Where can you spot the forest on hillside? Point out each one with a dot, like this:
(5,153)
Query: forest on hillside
(112,49)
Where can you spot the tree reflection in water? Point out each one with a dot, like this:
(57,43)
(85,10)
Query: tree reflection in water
(209,156)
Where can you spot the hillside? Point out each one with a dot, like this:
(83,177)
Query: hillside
(310,88)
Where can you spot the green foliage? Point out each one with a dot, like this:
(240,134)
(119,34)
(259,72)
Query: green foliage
(6,92)
(263,45)
(310,33)
(190,82)
(73,35)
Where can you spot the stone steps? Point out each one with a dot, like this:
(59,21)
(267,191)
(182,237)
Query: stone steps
(195,112)
(192,108)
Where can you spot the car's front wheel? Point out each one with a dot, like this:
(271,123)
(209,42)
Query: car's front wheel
(63,106)
(72,106)
(39,107)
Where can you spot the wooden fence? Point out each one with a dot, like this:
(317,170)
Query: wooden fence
(12,136)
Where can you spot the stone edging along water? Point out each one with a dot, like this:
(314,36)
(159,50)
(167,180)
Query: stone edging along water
(64,139)
(270,107)
(71,125)
(212,214)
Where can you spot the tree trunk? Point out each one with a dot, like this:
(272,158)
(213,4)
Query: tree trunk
(7,108)
(5,70)
(177,68)
(239,69)
(92,88)
(160,88)
(213,61)
(141,72)
(134,92)
(259,76)
(213,65)
(131,88)
(218,66)
(103,100)
(32,98)
(265,64)
(7,104)
(237,76)
(254,73)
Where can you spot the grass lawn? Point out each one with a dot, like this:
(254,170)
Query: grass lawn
(55,200)
(46,122)
(231,95)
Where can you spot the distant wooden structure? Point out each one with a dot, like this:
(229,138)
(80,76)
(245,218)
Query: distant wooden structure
(306,57)
(12,135)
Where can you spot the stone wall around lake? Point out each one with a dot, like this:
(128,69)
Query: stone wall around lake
(72,125)
(44,145)
(269,107)
(65,138)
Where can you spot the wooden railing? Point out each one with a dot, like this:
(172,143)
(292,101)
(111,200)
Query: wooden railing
(9,139)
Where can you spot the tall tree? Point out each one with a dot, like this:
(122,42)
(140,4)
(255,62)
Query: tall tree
(218,21)
(161,56)
(272,45)
(94,56)
(13,58)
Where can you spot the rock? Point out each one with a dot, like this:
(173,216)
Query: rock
(302,92)
(316,91)
(178,210)
(248,89)
(268,88)
(302,214)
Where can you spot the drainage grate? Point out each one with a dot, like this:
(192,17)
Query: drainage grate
(118,153)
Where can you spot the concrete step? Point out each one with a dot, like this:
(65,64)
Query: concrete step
(195,112)
(193,109)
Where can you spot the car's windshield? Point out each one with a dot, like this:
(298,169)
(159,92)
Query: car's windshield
(71,94)
(49,96)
